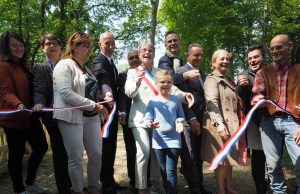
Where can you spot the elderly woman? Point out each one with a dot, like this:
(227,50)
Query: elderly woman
(137,88)
(221,119)
(80,128)
(16,91)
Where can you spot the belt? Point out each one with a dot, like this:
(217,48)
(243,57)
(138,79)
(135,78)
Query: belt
(280,114)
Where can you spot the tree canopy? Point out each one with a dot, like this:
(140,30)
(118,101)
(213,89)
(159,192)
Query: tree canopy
(229,24)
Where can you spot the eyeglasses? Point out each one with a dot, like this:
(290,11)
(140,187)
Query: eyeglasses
(133,57)
(53,43)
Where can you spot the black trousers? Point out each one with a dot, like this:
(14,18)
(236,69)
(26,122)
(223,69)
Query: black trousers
(109,148)
(258,169)
(130,153)
(16,140)
(191,160)
(60,158)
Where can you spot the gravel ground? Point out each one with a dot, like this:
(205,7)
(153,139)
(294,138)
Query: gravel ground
(241,176)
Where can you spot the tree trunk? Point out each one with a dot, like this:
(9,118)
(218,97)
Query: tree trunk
(154,6)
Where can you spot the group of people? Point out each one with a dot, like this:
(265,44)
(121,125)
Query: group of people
(167,111)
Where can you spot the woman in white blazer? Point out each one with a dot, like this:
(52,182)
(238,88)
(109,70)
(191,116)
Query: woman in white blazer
(140,92)
(80,128)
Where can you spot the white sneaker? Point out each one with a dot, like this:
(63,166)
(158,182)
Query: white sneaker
(36,188)
(24,192)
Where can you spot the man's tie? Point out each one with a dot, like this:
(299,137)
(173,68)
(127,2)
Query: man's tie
(114,68)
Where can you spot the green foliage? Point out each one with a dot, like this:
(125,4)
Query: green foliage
(232,25)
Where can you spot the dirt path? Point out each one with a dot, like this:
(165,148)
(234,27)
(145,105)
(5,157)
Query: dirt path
(241,176)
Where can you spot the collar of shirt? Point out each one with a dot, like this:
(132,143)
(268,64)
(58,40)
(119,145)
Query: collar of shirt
(50,63)
(109,58)
(192,66)
(282,68)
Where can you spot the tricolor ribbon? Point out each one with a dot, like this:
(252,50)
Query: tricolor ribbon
(148,79)
(226,148)
(105,128)
(109,119)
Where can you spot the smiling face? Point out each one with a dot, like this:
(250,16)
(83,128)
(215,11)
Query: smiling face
(107,44)
(146,54)
(133,58)
(164,84)
(255,60)
(280,48)
(16,49)
(172,43)
(195,56)
(220,61)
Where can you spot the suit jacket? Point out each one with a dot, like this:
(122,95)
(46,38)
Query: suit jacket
(15,89)
(106,74)
(141,96)
(69,90)
(195,87)
(123,101)
(43,89)
(166,62)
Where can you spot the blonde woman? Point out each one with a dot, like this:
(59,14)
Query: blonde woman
(80,128)
(221,119)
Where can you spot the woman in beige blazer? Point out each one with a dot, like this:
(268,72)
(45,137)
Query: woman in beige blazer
(221,119)
(79,129)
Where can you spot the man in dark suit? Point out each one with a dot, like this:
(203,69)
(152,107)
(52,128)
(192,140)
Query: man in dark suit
(107,75)
(172,60)
(43,97)
(124,104)
(191,139)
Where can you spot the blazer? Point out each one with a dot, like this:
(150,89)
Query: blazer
(195,87)
(69,90)
(106,74)
(15,89)
(221,101)
(43,89)
(123,101)
(141,96)
(166,62)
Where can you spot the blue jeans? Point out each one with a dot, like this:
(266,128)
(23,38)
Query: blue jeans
(167,159)
(274,132)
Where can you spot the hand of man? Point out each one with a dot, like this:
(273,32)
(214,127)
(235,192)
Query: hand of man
(223,133)
(38,107)
(297,136)
(192,74)
(122,119)
(297,110)
(242,80)
(109,98)
(195,126)
(257,98)
(189,99)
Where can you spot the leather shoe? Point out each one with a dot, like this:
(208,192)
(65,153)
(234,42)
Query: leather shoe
(119,186)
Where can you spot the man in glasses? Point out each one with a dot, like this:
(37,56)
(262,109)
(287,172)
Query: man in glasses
(43,97)
(280,82)
(124,104)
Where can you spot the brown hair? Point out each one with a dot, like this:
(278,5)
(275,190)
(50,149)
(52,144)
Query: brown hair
(75,40)
(49,36)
